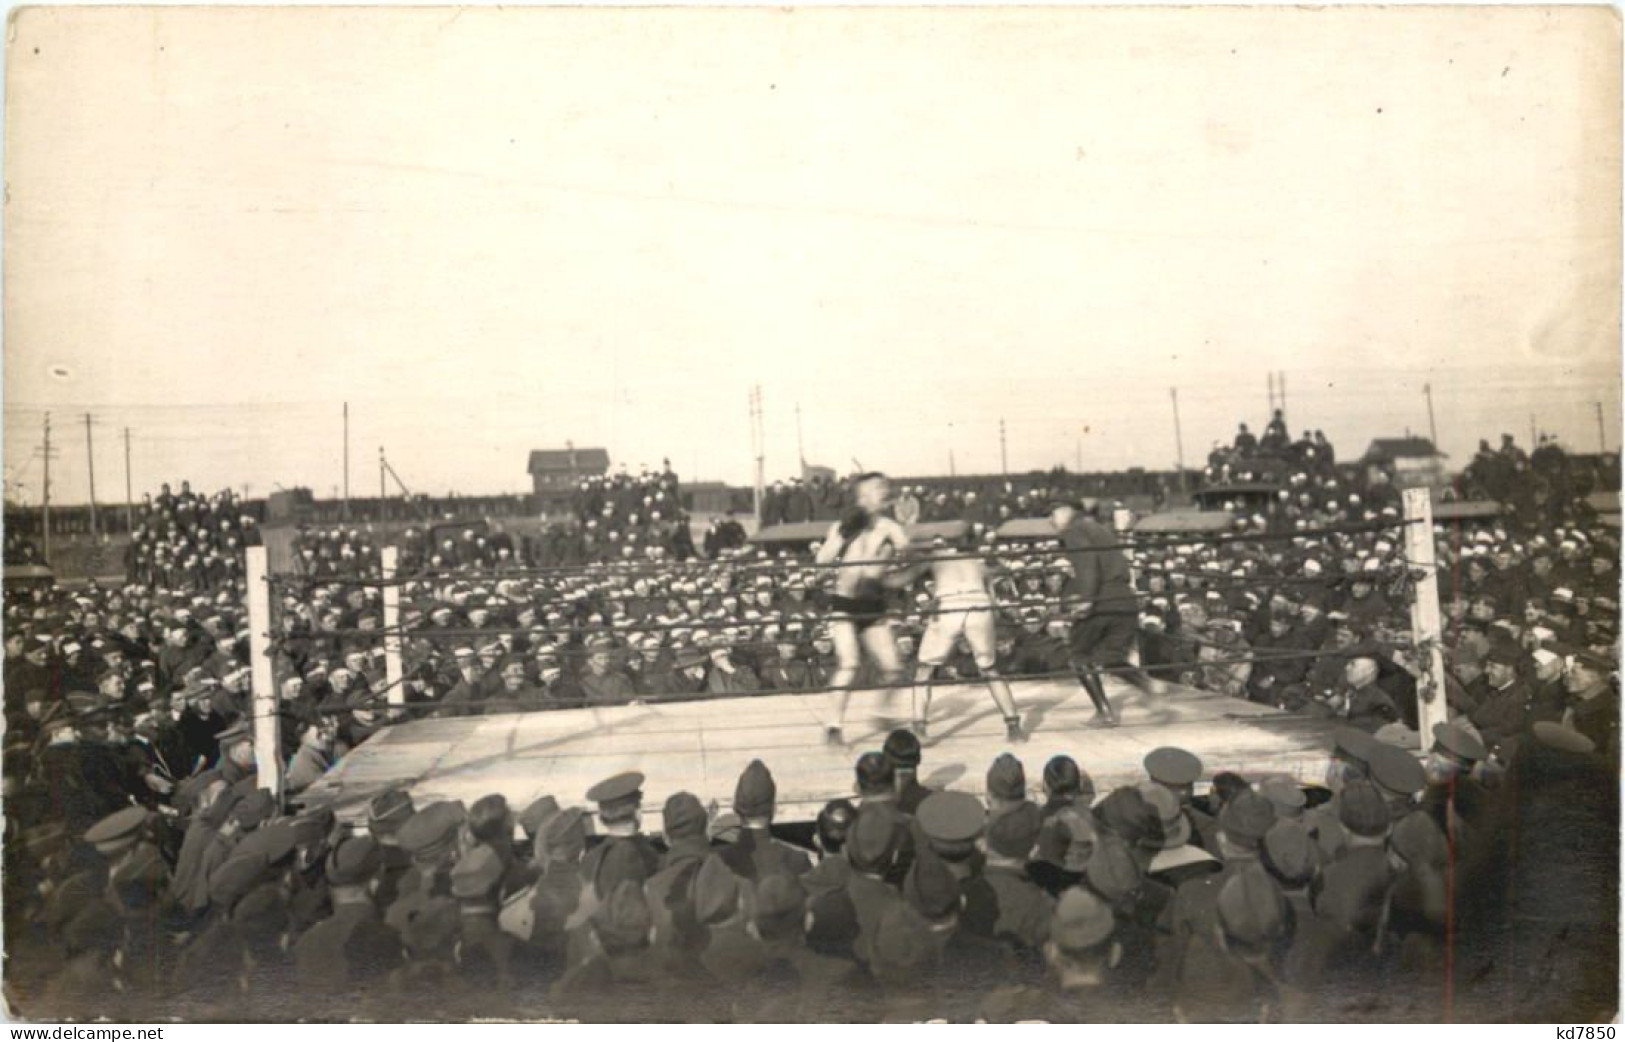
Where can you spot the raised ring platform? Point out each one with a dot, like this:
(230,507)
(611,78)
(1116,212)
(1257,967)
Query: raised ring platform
(701,746)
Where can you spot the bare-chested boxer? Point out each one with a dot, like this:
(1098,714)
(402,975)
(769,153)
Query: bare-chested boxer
(858,621)
(963,608)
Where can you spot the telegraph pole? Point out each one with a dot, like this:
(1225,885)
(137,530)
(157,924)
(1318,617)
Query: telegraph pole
(45,495)
(1602,432)
(129,496)
(1004,456)
(90,471)
(382,495)
(801,448)
(1433,430)
(1179,438)
(758,437)
(346,461)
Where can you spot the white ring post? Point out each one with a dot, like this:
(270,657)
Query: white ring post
(392,620)
(267,721)
(1426,628)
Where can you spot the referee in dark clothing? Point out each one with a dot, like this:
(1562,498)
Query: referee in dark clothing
(1104,608)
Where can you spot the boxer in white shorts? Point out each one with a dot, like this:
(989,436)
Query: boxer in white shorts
(963,608)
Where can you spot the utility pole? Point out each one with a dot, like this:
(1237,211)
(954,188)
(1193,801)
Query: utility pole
(90,471)
(45,493)
(801,448)
(1433,430)
(1281,382)
(1269,385)
(1532,434)
(346,461)
(1179,438)
(382,495)
(129,495)
(758,437)
(1602,432)
(1004,456)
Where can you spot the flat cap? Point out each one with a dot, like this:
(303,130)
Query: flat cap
(683,816)
(1174,829)
(237,732)
(1081,921)
(951,817)
(1014,833)
(1396,772)
(432,829)
(716,892)
(564,835)
(1284,795)
(1352,743)
(354,861)
(1007,778)
(1252,909)
(1453,740)
(1171,766)
(534,816)
(274,842)
(388,811)
(1418,839)
(1289,853)
(1246,819)
(1112,871)
(476,873)
(872,841)
(1595,660)
(1125,813)
(902,748)
(1564,739)
(755,792)
(1362,810)
(121,825)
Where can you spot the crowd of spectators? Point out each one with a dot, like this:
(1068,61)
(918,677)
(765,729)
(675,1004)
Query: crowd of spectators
(1380,894)
(137,695)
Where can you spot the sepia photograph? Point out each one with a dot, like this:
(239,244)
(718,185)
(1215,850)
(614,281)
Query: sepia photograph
(739,515)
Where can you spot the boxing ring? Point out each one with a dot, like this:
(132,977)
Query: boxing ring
(701,746)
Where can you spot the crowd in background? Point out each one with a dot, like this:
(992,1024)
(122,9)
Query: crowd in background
(136,695)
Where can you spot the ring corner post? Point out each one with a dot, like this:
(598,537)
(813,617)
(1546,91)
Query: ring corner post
(392,621)
(1426,630)
(267,718)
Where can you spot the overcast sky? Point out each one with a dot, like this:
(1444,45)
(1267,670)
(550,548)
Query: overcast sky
(492,231)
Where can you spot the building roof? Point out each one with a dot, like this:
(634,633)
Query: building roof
(588,461)
(1383,450)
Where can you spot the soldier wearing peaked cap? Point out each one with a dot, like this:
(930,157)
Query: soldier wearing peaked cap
(352,948)
(756,854)
(136,872)
(1178,771)
(1004,903)
(952,822)
(620,799)
(487,952)
(386,813)
(429,839)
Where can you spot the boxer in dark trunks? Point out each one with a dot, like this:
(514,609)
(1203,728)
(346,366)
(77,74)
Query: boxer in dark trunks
(859,622)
